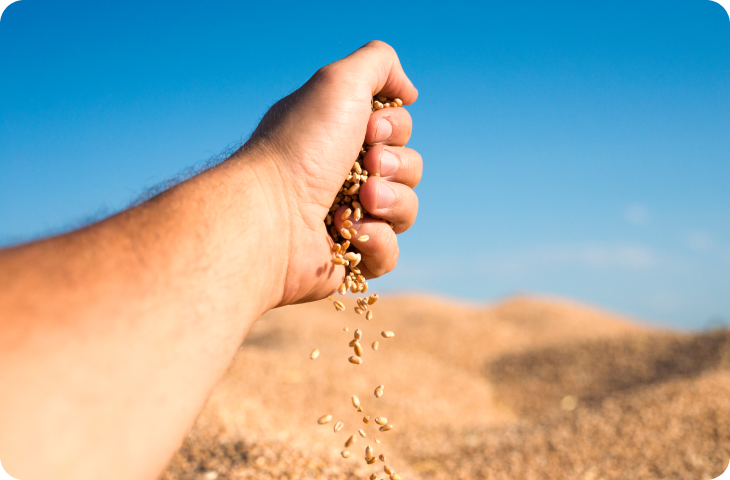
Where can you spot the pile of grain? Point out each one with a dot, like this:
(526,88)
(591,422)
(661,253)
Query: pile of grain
(482,391)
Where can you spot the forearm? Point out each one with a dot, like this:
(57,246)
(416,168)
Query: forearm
(134,319)
(112,337)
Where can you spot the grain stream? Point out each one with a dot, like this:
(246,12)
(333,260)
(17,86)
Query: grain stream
(346,254)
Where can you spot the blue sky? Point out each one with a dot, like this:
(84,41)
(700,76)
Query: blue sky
(572,149)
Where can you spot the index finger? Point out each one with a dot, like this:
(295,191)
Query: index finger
(378,63)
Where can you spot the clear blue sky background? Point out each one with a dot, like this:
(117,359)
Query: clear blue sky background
(573,149)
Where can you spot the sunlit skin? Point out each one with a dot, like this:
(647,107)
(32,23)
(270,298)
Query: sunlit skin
(113,336)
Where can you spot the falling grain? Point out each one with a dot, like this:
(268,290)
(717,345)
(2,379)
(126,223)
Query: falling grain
(354,280)
(355,263)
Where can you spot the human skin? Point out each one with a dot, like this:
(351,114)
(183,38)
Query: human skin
(113,336)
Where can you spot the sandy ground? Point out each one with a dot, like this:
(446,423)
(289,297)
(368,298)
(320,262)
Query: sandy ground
(529,388)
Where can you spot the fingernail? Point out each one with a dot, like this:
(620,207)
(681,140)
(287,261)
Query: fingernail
(384,130)
(388,164)
(386,195)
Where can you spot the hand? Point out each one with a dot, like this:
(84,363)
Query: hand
(307,143)
(128,323)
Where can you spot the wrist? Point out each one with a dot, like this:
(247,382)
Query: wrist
(259,220)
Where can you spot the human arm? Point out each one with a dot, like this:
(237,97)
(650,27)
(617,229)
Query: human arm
(112,336)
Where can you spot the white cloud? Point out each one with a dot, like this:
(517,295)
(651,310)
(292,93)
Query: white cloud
(599,256)
(665,302)
(637,214)
(595,256)
(699,241)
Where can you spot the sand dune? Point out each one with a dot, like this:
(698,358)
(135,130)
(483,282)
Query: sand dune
(474,392)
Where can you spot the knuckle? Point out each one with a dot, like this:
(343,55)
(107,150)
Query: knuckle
(375,267)
(409,216)
(390,257)
(413,210)
(380,45)
(417,162)
(327,74)
(393,260)
(387,257)
(335,73)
